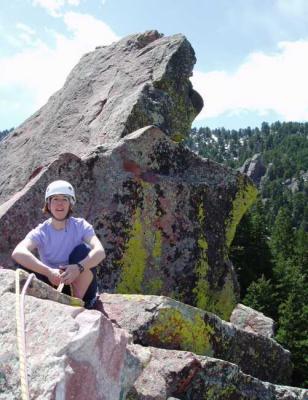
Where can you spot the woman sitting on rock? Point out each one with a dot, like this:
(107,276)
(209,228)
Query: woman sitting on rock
(68,248)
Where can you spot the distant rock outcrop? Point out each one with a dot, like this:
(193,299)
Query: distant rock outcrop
(294,183)
(141,80)
(254,168)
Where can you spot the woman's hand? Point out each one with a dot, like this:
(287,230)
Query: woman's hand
(70,273)
(54,276)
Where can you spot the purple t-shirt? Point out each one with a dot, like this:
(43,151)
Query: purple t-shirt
(54,246)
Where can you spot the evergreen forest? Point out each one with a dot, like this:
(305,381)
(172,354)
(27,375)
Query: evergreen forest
(4,133)
(270,249)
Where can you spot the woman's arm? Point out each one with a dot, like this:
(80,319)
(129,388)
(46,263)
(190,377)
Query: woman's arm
(96,254)
(23,255)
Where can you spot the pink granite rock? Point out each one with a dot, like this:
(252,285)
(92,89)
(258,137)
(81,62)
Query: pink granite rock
(165,323)
(72,353)
(141,80)
(251,320)
(172,374)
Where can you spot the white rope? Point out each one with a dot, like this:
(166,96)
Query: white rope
(21,337)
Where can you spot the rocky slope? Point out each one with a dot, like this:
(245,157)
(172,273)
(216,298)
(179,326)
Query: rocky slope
(73,353)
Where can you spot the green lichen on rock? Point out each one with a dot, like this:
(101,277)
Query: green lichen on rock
(225,300)
(222,301)
(201,290)
(182,114)
(153,286)
(157,248)
(245,197)
(178,137)
(218,393)
(134,259)
(140,264)
(172,330)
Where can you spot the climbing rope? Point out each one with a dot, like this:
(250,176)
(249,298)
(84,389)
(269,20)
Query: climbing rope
(21,337)
(20,322)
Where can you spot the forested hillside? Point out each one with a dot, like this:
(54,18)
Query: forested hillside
(4,133)
(270,249)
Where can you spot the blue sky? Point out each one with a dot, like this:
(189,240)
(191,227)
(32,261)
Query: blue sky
(252,55)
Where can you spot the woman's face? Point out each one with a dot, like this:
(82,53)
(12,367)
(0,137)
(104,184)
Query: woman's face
(59,206)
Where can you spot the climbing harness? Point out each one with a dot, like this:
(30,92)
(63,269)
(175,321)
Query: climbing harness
(21,337)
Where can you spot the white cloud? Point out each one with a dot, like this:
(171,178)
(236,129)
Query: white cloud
(40,70)
(87,30)
(296,8)
(25,28)
(263,83)
(54,6)
(24,36)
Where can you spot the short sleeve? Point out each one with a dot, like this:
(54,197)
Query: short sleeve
(88,230)
(35,236)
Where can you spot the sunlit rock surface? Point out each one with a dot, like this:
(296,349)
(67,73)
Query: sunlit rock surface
(141,80)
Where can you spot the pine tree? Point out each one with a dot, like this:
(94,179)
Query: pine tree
(282,238)
(250,252)
(293,317)
(262,297)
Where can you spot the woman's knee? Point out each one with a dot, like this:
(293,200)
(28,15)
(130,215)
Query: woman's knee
(79,253)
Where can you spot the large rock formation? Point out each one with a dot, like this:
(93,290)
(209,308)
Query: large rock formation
(166,217)
(141,80)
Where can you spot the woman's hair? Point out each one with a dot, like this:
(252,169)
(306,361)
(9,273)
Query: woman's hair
(46,210)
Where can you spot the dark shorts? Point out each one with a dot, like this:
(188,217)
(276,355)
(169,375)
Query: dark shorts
(79,253)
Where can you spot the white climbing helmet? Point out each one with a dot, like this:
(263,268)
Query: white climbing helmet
(60,187)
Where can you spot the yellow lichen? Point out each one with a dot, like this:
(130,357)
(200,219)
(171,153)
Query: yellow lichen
(201,289)
(153,286)
(134,260)
(245,197)
(157,248)
(173,330)
(181,115)
(225,300)
(140,264)
(178,137)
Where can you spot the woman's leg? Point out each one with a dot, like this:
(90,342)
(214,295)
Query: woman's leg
(85,286)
